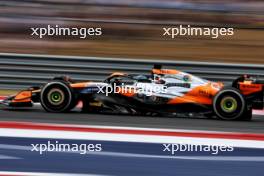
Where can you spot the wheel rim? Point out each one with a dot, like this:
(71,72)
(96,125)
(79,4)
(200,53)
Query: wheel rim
(56,96)
(229,104)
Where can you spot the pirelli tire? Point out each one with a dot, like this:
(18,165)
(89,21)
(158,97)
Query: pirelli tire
(57,96)
(230,104)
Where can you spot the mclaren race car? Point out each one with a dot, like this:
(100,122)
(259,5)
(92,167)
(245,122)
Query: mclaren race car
(163,92)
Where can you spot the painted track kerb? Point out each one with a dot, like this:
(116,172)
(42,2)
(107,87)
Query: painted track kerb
(23,70)
(123,134)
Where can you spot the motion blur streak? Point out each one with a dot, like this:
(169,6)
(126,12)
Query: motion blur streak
(130,29)
(120,157)
(124,30)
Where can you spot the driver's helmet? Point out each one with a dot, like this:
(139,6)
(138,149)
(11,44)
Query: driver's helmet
(117,81)
(158,79)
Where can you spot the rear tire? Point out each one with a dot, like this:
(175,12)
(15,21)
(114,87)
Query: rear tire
(57,96)
(230,104)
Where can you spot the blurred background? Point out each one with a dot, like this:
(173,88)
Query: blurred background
(134,28)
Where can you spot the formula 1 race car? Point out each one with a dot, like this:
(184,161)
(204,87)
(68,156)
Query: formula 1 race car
(163,92)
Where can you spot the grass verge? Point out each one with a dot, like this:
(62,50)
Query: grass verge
(7,92)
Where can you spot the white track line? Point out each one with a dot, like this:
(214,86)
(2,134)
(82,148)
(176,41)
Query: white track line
(7,173)
(4,157)
(136,155)
(51,134)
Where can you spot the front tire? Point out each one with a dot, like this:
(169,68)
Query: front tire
(230,104)
(57,96)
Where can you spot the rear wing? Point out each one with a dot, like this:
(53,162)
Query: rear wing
(252,87)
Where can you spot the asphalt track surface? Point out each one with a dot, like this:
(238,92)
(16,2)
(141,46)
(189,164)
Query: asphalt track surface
(127,158)
(37,114)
